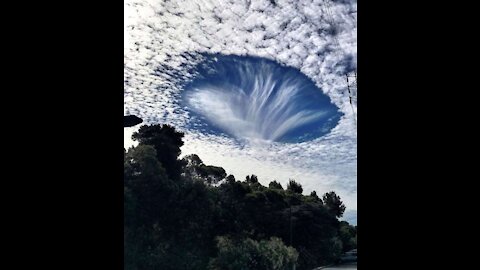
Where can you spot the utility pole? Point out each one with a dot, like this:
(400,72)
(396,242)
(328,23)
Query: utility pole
(350,94)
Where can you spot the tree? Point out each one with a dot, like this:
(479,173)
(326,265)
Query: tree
(212,174)
(147,182)
(236,254)
(172,215)
(313,197)
(167,142)
(230,179)
(192,161)
(251,179)
(294,187)
(310,227)
(347,234)
(148,196)
(252,182)
(334,204)
(275,185)
(167,224)
(195,168)
(232,217)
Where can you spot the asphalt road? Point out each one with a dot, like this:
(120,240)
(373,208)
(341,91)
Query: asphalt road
(352,266)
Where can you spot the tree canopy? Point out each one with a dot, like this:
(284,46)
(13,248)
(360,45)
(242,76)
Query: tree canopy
(294,187)
(184,214)
(334,203)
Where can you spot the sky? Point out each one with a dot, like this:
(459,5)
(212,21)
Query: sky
(165,43)
(250,99)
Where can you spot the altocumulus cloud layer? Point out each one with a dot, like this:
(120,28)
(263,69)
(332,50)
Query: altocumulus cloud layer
(165,40)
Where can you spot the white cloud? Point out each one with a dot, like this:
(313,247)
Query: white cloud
(127,136)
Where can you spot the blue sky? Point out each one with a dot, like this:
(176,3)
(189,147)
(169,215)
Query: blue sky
(251,98)
(164,43)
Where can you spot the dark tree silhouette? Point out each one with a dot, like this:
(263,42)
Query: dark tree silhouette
(294,187)
(167,142)
(251,179)
(194,167)
(275,185)
(334,204)
(348,236)
(230,179)
(173,215)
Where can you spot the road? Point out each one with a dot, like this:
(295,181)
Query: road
(352,266)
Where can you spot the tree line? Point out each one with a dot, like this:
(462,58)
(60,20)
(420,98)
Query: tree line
(184,214)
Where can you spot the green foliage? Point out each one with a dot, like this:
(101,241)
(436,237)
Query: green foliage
(167,142)
(294,187)
(244,254)
(348,236)
(213,174)
(313,197)
(334,204)
(146,180)
(275,185)
(157,232)
(311,231)
(230,179)
(196,169)
(251,179)
(173,214)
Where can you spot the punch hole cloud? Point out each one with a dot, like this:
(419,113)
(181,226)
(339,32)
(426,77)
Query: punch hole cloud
(254,98)
(166,41)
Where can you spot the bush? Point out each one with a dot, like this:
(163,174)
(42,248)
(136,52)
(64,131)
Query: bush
(270,254)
